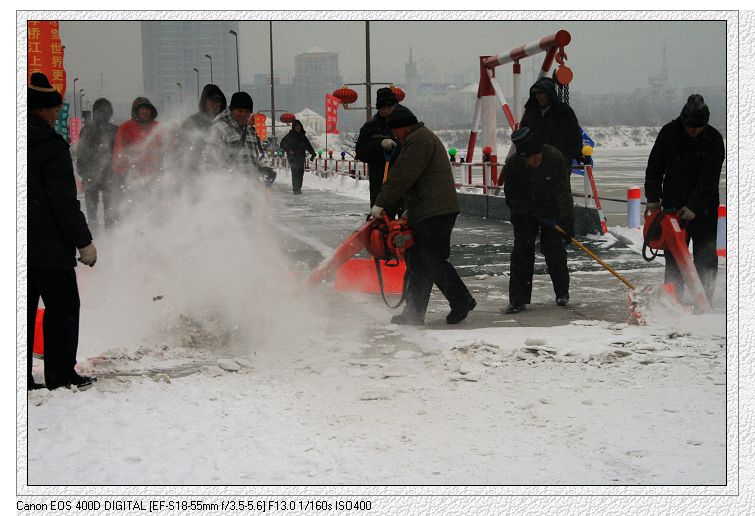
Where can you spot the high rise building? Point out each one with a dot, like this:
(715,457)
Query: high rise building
(315,74)
(412,78)
(170,52)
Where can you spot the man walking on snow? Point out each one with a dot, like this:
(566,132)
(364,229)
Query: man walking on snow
(422,177)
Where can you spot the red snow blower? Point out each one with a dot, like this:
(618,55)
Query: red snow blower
(663,231)
(385,240)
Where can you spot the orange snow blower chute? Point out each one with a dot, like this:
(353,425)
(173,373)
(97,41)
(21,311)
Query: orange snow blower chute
(384,239)
(663,231)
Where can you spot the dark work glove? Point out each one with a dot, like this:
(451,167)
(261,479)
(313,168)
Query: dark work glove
(568,227)
(311,157)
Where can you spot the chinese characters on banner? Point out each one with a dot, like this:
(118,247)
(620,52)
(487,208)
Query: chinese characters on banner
(259,125)
(75,123)
(45,53)
(331,114)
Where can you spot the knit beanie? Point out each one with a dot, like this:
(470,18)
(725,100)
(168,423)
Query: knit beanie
(526,141)
(242,100)
(401,116)
(695,112)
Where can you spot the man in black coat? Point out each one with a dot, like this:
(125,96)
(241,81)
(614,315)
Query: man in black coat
(683,172)
(553,121)
(194,129)
(296,145)
(538,193)
(375,142)
(94,161)
(57,227)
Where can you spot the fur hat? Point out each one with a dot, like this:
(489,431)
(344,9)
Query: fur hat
(40,94)
(385,97)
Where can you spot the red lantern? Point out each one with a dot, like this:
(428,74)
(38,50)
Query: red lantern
(487,150)
(400,95)
(346,95)
(287,118)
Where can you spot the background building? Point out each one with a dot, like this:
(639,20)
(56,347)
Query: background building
(170,52)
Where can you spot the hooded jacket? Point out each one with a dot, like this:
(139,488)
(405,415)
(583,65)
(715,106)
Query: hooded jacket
(296,145)
(56,224)
(94,155)
(422,177)
(685,171)
(195,128)
(558,125)
(138,146)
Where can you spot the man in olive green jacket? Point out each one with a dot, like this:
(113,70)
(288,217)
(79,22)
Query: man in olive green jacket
(422,177)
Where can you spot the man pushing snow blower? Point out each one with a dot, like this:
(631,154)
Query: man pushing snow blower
(422,176)
(682,176)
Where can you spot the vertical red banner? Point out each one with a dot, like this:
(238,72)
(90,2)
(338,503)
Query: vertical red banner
(259,126)
(331,113)
(45,53)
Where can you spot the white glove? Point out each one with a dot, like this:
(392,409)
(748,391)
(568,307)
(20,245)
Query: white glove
(376,212)
(650,207)
(686,214)
(88,255)
(388,144)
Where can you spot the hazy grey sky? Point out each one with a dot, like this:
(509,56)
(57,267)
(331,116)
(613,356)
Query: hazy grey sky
(606,56)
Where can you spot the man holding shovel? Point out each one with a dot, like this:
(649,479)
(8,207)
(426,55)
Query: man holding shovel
(538,194)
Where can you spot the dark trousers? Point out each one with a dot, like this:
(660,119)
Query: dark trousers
(60,294)
(92,189)
(526,229)
(297,175)
(702,232)
(427,263)
(375,175)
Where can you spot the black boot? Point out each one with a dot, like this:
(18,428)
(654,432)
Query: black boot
(562,300)
(81,382)
(459,314)
(513,308)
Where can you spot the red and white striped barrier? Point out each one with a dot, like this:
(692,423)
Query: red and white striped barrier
(559,39)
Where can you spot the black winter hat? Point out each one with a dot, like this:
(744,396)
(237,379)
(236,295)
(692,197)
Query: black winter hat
(40,94)
(695,112)
(102,109)
(385,97)
(526,141)
(242,100)
(401,116)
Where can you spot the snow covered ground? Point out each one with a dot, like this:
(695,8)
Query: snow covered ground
(215,368)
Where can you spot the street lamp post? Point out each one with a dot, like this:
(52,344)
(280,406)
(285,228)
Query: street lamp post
(272,81)
(81,95)
(238,70)
(74,97)
(208,56)
(197,70)
(180,95)
(367,63)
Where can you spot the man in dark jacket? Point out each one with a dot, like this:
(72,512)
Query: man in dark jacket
(194,130)
(95,158)
(375,144)
(422,177)
(538,193)
(682,175)
(57,227)
(553,121)
(296,145)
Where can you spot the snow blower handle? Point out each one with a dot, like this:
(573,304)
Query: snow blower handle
(590,253)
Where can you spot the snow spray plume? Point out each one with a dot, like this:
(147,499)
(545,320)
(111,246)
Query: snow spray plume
(191,253)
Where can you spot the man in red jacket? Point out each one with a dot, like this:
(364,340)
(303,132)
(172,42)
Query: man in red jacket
(138,149)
